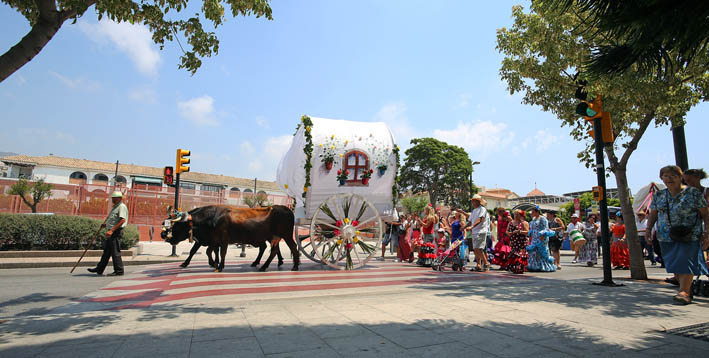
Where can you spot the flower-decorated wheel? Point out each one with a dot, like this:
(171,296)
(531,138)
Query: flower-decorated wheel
(345,232)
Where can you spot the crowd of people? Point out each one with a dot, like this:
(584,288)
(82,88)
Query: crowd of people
(517,243)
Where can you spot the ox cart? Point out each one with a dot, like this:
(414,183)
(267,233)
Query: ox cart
(342,176)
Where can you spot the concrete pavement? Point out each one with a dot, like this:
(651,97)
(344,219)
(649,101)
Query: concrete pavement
(490,314)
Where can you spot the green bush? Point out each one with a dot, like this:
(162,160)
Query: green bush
(55,232)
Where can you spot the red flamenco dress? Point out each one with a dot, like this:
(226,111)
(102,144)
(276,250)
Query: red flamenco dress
(517,259)
(620,256)
(404,252)
(502,248)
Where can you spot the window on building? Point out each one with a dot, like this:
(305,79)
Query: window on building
(357,163)
(212,188)
(77,178)
(248,191)
(101,177)
(234,192)
(186,185)
(77,175)
(120,179)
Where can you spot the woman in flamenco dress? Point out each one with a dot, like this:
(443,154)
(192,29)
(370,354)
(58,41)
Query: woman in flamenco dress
(502,248)
(517,232)
(539,258)
(620,257)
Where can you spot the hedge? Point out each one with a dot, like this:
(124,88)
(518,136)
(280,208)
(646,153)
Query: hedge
(55,232)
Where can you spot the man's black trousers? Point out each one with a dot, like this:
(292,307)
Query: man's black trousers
(112,250)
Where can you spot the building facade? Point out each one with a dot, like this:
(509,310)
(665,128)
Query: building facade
(61,170)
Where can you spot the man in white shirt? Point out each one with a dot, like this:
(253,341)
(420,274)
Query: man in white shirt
(574,225)
(641,224)
(479,222)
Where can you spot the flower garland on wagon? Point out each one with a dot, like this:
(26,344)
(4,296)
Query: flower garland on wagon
(308,150)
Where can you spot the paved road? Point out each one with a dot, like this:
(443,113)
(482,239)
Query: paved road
(388,309)
(38,291)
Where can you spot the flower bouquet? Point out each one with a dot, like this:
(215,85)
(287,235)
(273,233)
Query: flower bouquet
(366,175)
(342,176)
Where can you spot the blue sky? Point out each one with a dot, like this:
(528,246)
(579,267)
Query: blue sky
(104,91)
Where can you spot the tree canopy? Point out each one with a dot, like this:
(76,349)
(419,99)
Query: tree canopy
(655,36)
(544,51)
(37,191)
(161,17)
(438,168)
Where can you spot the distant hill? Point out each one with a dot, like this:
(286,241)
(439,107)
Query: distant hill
(7,154)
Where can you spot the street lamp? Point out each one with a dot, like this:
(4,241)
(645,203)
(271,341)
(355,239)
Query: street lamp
(472,169)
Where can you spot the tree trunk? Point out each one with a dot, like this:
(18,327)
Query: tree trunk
(637,261)
(48,23)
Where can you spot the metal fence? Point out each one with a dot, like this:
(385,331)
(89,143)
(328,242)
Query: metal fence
(147,204)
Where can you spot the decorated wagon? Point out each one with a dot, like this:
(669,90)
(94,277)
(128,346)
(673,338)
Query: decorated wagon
(342,176)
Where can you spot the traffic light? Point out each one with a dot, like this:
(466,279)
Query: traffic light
(597,193)
(592,110)
(607,128)
(182,159)
(167,176)
(589,110)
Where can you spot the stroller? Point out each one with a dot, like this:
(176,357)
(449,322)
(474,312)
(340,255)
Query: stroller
(450,256)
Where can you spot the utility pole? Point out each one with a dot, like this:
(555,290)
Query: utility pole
(680,147)
(115,176)
(603,206)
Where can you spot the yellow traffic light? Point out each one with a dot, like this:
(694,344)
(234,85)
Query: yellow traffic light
(595,109)
(597,193)
(182,159)
(607,128)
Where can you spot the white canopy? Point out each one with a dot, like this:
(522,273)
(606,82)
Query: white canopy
(340,137)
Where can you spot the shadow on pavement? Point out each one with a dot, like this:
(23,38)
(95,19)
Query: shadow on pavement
(636,299)
(420,338)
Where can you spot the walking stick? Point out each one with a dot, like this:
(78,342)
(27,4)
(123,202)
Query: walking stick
(87,249)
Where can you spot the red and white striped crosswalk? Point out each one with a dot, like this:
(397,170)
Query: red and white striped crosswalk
(167,283)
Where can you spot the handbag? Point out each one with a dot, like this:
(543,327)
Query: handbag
(679,233)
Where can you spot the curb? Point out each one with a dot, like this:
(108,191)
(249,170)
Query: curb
(88,263)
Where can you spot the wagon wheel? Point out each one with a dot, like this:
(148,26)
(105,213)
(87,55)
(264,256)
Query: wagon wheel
(305,246)
(345,231)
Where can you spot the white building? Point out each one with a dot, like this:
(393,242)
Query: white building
(60,170)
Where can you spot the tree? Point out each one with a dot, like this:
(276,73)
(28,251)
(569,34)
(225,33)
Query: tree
(414,204)
(37,191)
(47,16)
(259,200)
(656,36)
(438,168)
(544,50)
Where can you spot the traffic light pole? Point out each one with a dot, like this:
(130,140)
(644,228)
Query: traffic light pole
(177,201)
(603,206)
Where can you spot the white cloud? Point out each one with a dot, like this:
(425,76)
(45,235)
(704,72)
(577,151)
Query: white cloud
(394,115)
(143,94)
(76,83)
(20,80)
(543,140)
(246,147)
(133,40)
(199,110)
(482,137)
(464,100)
(263,163)
(263,122)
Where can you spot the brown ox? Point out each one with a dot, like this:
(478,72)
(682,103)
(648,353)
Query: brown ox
(224,225)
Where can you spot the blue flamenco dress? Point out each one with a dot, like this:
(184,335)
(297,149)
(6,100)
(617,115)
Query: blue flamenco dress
(539,258)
